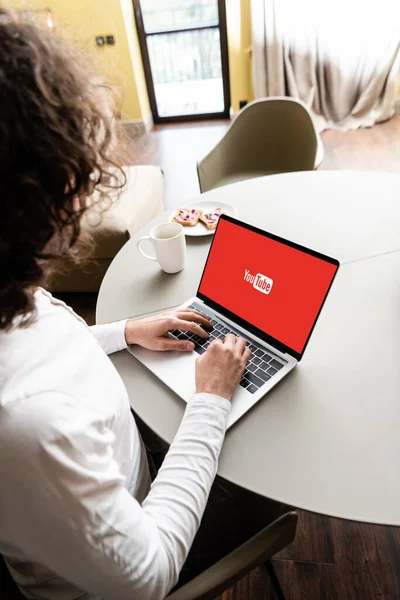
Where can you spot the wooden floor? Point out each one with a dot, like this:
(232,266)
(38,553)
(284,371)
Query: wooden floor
(330,559)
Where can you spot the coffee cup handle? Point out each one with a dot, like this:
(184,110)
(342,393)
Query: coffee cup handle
(143,239)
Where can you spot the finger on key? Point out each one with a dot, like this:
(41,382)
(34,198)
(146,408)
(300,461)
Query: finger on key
(177,345)
(184,325)
(240,345)
(246,355)
(194,315)
(230,340)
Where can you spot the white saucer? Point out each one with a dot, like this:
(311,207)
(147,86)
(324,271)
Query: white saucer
(206,206)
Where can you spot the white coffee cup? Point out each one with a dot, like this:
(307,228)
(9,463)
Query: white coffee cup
(169,244)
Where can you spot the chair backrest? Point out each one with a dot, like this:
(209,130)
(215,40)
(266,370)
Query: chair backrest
(254,552)
(8,588)
(271,135)
(217,578)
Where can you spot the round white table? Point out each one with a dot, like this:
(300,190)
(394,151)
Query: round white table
(327,438)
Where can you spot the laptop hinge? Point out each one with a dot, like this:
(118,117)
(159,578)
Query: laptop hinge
(248,329)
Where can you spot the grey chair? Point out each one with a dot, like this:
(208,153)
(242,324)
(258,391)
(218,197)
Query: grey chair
(254,552)
(268,136)
(220,576)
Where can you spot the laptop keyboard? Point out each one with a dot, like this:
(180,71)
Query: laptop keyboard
(261,366)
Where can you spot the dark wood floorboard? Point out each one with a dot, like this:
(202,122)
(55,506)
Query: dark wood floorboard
(256,586)
(367,559)
(307,581)
(314,540)
(330,559)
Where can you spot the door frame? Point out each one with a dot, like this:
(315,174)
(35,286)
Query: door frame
(225,114)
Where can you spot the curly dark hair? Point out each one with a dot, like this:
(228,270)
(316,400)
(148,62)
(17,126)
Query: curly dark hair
(57,133)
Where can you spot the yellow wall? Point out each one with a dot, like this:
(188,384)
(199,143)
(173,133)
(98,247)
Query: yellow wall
(133,41)
(239,44)
(80,21)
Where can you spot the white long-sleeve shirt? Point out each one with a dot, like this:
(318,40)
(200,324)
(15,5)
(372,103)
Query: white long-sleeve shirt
(78,519)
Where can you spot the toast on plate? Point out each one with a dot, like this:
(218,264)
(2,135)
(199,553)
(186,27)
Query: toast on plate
(210,219)
(187,216)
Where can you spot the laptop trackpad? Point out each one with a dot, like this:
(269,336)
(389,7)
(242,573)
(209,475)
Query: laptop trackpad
(176,369)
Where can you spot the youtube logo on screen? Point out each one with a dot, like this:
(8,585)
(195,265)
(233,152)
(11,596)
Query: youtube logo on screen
(260,282)
(275,287)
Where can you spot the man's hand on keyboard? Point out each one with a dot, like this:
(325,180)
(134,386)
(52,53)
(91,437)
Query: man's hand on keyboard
(219,370)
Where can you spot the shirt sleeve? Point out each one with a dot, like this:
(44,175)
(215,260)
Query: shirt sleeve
(110,336)
(81,522)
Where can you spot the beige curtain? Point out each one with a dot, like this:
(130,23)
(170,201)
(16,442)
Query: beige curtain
(342,57)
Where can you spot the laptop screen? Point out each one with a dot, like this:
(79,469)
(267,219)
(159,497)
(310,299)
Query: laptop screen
(273,285)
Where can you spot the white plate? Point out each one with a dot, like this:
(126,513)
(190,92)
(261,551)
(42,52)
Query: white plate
(206,206)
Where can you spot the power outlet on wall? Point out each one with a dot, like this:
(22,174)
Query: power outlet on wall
(102,40)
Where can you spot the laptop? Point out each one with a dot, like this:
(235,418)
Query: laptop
(262,287)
